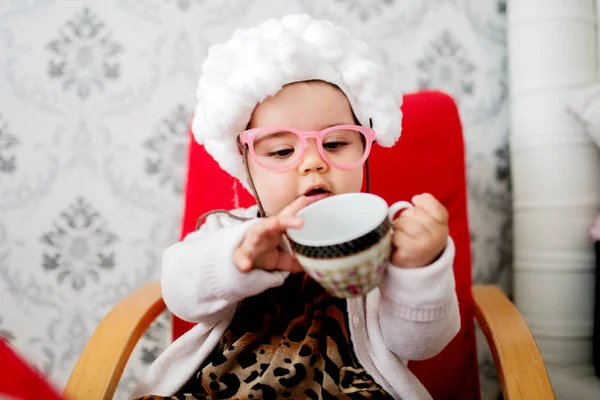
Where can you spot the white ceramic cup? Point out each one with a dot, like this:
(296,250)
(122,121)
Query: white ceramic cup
(346,241)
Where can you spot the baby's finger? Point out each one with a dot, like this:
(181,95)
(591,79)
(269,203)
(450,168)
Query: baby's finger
(277,260)
(420,215)
(275,226)
(247,254)
(432,206)
(289,263)
(256,235)
(258,238)
(267,260)
(410,226)
(400,255)
(241,260)
(289,223)
(292,209)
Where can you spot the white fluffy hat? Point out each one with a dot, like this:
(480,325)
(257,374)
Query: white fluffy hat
(257,62)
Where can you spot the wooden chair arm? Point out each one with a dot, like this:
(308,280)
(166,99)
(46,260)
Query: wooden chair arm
(518,360)
(101,364)
(99,368)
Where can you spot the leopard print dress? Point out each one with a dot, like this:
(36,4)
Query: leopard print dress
(291,342)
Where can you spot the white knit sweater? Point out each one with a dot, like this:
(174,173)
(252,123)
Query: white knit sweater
(413,315)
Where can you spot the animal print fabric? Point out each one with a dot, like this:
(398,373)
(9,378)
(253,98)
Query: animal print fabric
(288,342)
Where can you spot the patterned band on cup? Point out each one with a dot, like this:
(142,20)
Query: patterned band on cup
(344,249)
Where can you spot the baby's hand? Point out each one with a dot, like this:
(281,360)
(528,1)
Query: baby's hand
(420,233)
(259,247)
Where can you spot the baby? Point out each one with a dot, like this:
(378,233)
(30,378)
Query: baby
(288,107)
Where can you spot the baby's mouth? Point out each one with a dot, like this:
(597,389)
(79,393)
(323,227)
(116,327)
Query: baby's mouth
(315,192)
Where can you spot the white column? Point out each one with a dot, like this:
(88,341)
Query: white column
(555,172)
(598,34)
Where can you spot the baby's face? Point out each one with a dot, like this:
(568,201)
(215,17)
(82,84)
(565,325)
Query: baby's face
(306,106)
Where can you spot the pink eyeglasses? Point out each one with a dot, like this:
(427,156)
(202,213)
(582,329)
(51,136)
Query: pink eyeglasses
(280,147)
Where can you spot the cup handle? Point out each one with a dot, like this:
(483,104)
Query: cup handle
(398,206)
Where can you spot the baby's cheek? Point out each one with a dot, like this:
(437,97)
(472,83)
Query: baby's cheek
(275,199)
(346,181)
(275,189)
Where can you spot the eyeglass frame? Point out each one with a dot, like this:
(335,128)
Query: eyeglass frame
(247,138)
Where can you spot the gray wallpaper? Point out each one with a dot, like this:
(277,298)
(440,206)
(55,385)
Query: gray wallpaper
(95,98)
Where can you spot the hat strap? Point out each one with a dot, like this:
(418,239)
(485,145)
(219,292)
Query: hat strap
(368,176)
(261,210)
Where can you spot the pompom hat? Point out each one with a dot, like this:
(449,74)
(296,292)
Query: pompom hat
(257,62)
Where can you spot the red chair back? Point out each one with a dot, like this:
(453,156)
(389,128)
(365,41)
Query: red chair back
(429,157)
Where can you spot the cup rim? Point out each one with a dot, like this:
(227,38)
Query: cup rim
(291,233)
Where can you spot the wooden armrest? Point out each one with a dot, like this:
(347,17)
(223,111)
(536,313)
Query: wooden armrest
(101,364)
(518,360)
(99,368)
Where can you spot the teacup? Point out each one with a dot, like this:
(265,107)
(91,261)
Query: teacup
(346,241)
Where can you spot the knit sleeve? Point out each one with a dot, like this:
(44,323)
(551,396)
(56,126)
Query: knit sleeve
(199,280)
(418,311)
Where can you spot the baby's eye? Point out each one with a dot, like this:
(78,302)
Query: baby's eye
(281,153)
(334,145)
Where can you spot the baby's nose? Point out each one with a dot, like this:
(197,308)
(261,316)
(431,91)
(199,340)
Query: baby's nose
(311,159)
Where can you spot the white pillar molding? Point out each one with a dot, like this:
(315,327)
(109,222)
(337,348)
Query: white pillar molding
(555,172)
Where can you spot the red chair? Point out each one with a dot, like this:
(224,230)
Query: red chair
(429,157)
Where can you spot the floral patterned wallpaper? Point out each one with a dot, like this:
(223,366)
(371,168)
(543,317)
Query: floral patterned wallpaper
(95,99)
